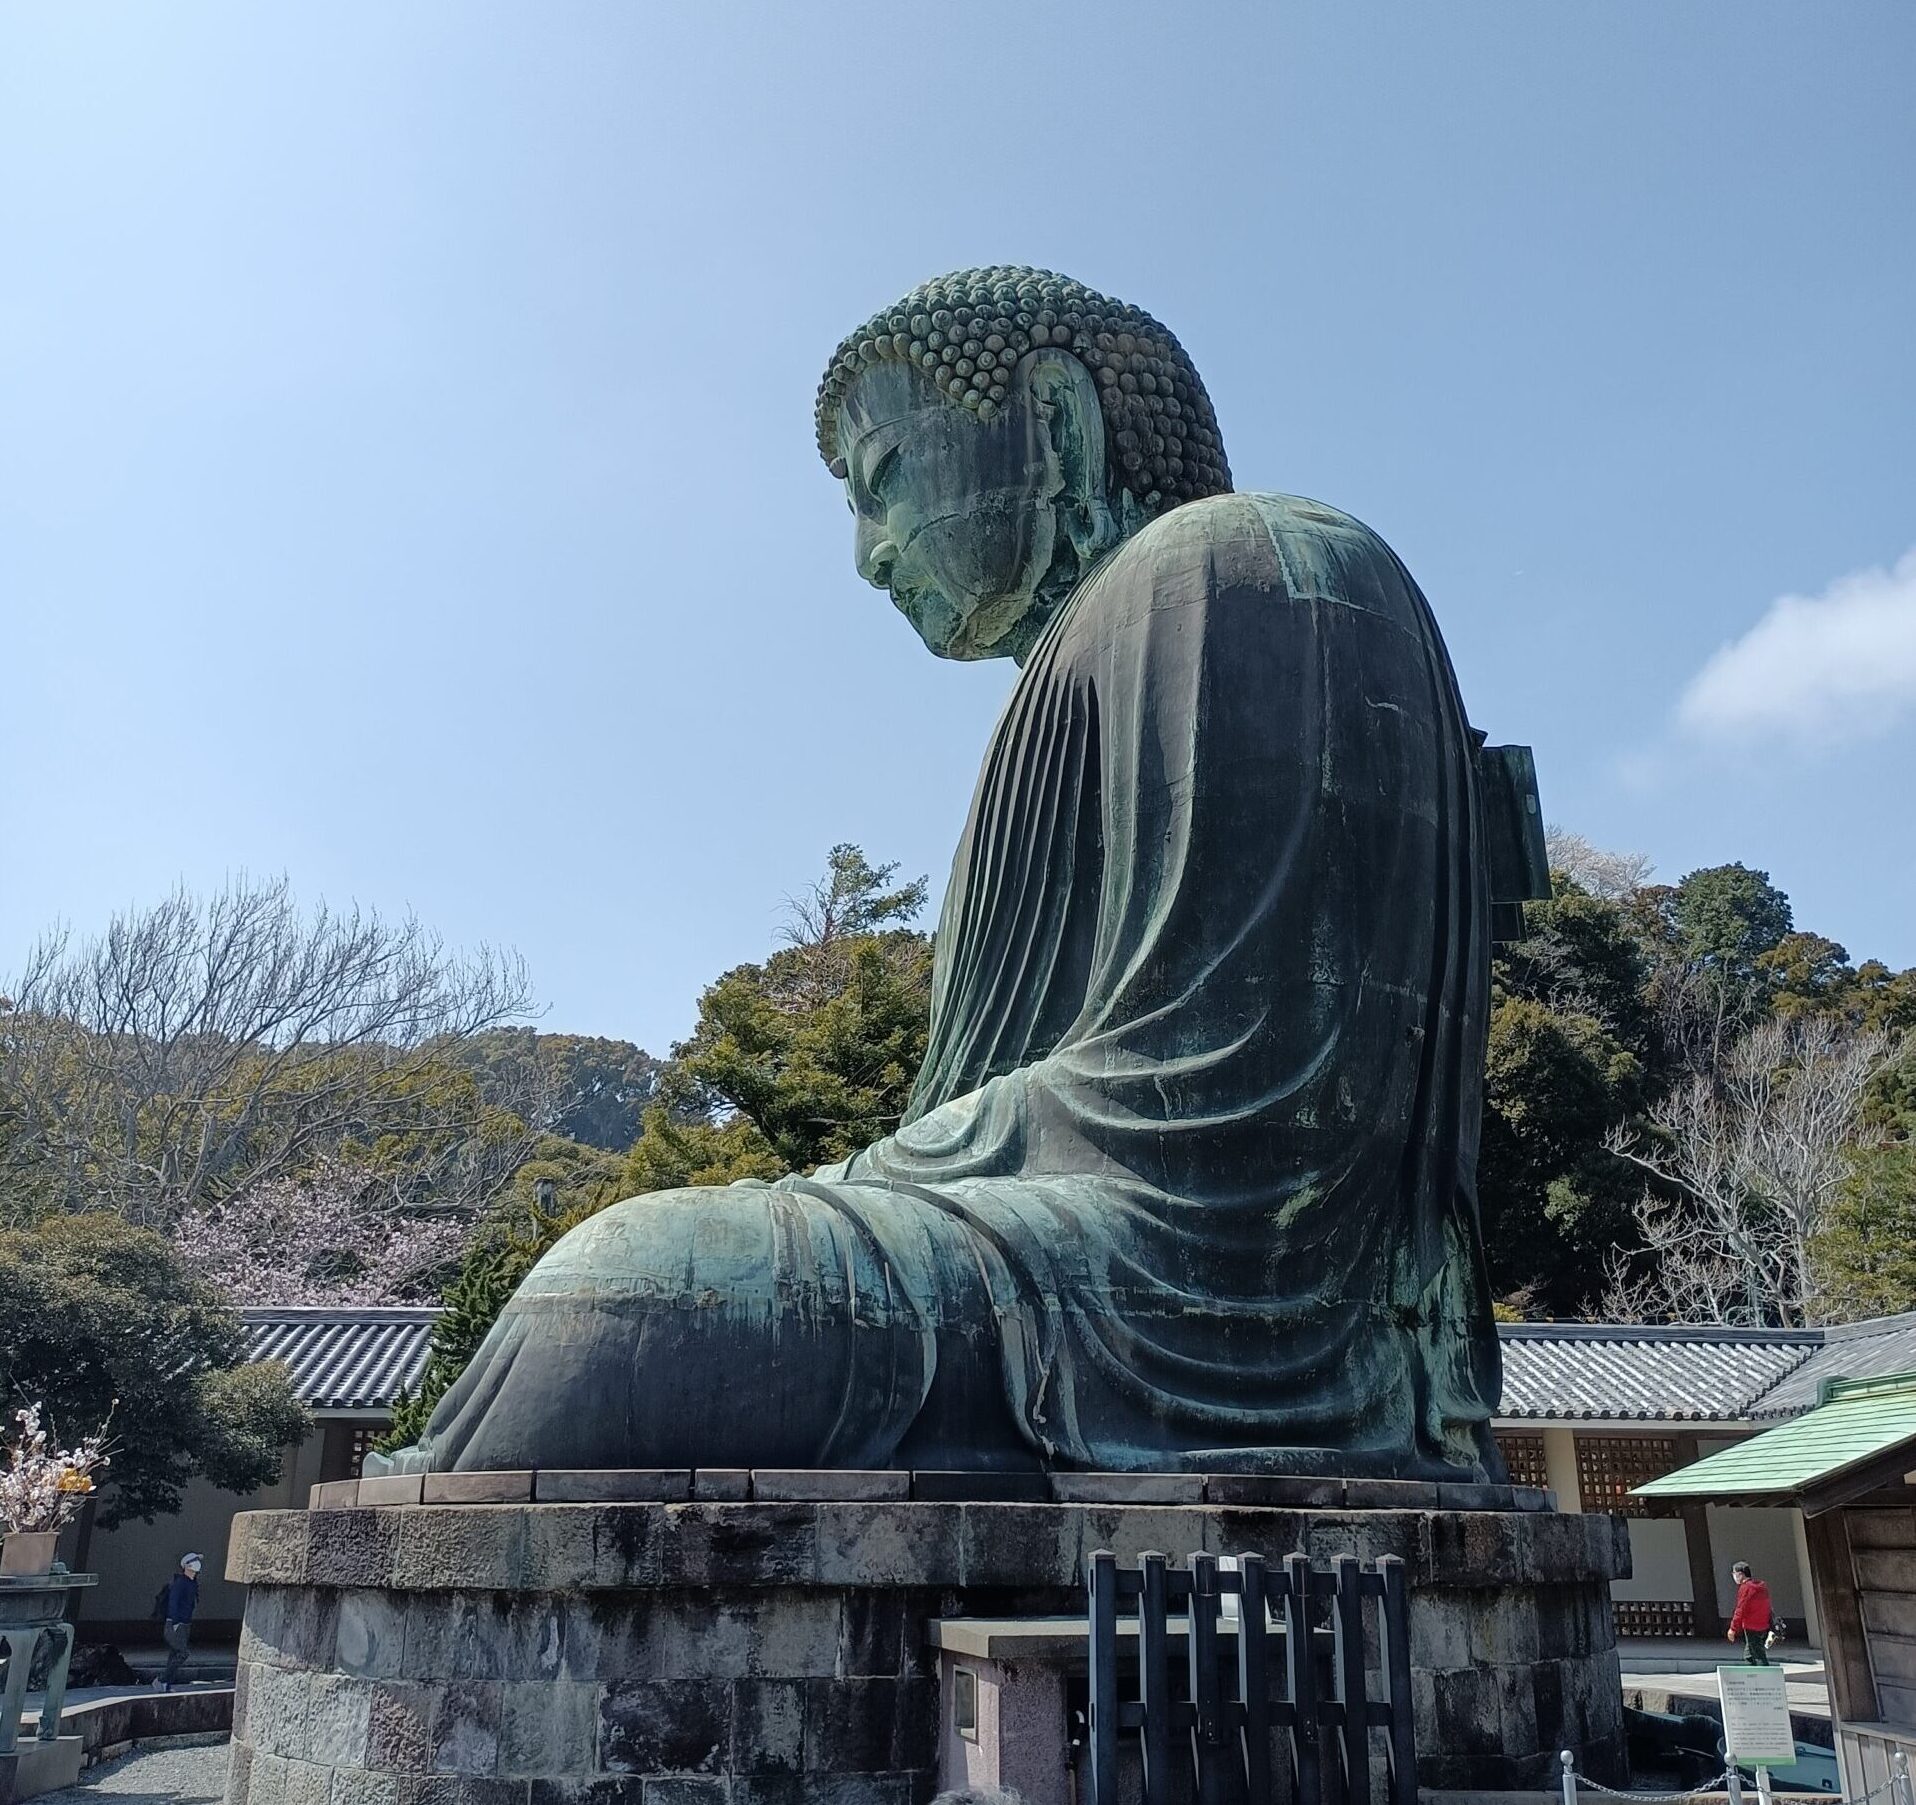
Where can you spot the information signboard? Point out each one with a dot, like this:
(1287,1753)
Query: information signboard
(1756,1716)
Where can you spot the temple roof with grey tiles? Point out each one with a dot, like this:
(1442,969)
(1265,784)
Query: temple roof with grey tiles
(344,1361)
(355,1362)
(1873,1349)
(1631,1373)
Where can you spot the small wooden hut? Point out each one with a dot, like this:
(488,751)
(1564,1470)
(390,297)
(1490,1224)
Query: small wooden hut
(1850,1466)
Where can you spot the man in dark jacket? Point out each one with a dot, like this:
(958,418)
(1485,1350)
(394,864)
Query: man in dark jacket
(1751,1618)
(182,1595)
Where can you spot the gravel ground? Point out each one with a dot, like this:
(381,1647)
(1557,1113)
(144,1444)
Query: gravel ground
(188,1776)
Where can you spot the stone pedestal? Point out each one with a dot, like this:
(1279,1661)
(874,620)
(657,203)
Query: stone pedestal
(36,1767)
(778,1652)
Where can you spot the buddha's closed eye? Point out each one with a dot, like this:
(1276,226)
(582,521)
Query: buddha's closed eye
(870,486)
(881,470)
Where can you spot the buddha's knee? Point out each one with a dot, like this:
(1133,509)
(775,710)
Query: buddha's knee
(710,1244)
(733,1326)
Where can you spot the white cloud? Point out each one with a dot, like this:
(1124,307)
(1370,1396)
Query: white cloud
(1820,668)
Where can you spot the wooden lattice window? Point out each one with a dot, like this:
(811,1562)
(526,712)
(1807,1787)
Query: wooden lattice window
(364,1435)
(1655,1617)
(1609,1465)
(1523,1455)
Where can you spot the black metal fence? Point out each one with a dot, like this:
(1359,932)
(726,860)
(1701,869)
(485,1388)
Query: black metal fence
(1214,1743)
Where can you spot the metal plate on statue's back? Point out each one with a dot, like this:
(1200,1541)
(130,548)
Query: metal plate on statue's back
(1513,832)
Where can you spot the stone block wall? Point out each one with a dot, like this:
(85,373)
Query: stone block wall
(763,1653)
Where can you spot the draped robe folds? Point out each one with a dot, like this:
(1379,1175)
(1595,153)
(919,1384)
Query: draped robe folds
(1192,1153)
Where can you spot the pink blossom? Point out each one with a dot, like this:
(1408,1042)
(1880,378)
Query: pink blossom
(331,1237)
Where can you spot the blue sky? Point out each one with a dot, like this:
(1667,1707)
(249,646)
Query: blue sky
(406,477)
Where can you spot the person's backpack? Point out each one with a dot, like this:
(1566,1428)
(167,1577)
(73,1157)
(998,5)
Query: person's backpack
(158,1612)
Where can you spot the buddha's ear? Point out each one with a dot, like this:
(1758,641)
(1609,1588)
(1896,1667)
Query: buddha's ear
(1064,404)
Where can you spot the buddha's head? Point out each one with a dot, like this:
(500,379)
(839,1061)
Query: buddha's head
(998,431)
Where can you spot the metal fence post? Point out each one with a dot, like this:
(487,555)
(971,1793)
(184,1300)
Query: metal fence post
(1300,1674)
(1229,1751)
(1104,1678)
(1254,1676)
(1207,1703)
(1394,1646)
(1569,1776)
(1154,1680)
(1348,1657)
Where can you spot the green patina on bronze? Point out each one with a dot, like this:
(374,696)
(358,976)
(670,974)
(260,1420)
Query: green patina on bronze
(967,333)
(1188,1177)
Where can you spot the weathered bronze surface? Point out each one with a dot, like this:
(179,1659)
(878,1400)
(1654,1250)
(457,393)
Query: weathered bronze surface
(1188,1180)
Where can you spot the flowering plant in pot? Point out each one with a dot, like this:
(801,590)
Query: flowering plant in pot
(42,1486)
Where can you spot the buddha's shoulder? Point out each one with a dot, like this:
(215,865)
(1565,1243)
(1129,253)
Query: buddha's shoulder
(1257,541)
(1238,517)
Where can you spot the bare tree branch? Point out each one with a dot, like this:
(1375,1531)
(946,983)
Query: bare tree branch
(201,1046)
(1751,1164)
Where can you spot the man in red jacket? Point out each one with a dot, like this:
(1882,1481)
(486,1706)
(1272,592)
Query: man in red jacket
(1751,1619)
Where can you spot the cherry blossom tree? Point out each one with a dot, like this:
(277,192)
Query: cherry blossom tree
(333,1236)
(1614,876)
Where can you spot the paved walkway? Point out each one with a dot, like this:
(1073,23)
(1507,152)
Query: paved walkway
(193,1776)
(1691,1654)
(216,1662)
(1659,1674)
(86,1695)
(1806,1683)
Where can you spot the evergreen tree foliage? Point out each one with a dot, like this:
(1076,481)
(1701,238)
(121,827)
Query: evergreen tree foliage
(809,1056)
(1581,955)
(100,1319)
(1710,941)
(1554,1201)
(1572,1045)
(579,1087)
(1618,1019)
(675,1151)
(1866,1256)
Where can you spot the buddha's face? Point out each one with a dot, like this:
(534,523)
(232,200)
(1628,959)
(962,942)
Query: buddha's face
(956,515)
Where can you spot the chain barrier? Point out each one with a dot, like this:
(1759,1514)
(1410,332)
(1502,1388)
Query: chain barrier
(1896,1787)
(1888,1790)
(1584,1783)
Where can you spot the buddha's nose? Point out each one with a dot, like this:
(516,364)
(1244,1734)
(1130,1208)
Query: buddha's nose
(876,555)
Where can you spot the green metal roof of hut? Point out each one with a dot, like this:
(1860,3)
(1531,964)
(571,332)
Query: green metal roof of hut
(1861,1436)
